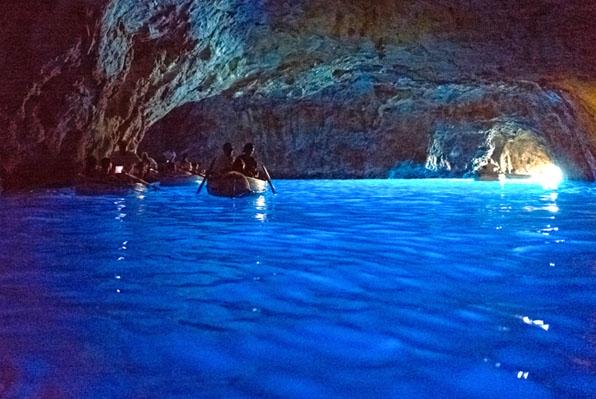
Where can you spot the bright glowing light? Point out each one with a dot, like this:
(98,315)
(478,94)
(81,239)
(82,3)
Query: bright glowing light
(548,176)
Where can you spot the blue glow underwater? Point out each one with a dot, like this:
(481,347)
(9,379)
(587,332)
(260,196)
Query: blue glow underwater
(360,289)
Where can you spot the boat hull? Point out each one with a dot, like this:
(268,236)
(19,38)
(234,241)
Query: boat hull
(234,185)
(517,177)
(179,180)
(489,177)
(98,188)
(501,177)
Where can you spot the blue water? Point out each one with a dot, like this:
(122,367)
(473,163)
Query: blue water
(329,289)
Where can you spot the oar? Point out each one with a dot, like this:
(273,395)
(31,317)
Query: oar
(268,179)
(207,174)
(142,181)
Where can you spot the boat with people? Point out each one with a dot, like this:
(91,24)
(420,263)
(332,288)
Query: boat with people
(236,177)
(501,176)
(106,186)
(517,176)
(234,184)
(489,177)
(179,179)
(489,171)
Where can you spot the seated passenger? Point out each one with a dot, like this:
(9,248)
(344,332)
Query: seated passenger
(169,155)
(185,165)
(146,169)
(140,170)
(169,167)
(490,168)
(123,159)
(91,167)
(225,162)
(196,168)
(239,166)
(106,167)
(250,164)
(148,161)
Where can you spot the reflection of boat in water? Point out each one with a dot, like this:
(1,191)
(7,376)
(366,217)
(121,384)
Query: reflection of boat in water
(234,184)
(106,186)
(180,179)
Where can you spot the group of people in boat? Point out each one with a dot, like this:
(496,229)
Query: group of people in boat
(183,166)
(127,167)
(490,170)
(245,163)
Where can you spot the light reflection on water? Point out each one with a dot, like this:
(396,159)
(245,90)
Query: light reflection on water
(328,289)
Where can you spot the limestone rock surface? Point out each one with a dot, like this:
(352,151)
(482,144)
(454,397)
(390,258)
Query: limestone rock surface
(386,125)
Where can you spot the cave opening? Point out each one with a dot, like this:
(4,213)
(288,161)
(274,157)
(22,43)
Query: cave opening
(299,143)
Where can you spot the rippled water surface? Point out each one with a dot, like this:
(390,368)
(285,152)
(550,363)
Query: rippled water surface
(360,289)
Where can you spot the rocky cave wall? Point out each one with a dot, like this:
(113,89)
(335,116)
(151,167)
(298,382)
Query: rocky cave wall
(347,87)
(381,123)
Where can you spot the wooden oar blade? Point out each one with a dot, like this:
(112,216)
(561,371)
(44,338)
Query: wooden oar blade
(207,174)
(269,179)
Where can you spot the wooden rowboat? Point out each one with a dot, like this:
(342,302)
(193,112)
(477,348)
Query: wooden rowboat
(106,186)
(181,179)
(489,177)
(234,184)
(500,177)
(515,176)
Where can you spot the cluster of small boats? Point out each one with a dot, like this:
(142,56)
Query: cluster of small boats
(232,184)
